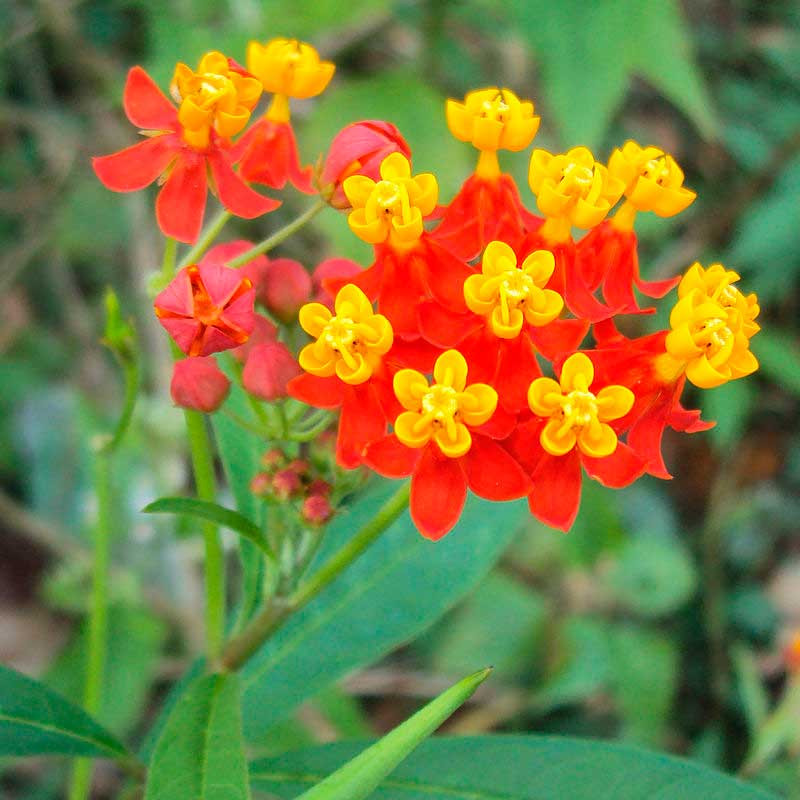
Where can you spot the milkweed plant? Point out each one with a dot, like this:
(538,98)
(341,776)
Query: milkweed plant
(480,352)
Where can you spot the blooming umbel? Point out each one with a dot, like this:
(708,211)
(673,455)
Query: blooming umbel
(187,144)
(457,357)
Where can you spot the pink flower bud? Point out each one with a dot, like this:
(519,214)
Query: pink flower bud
(268,370)
(331,268)
(359,149)
(316,509)
(320,487)
(273,459)
(264,331)
(286,287)
(198,383)
(299,466)
(285,484)
(261,484)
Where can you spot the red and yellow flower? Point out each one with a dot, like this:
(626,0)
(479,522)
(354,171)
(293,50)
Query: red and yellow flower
(410,267)
(441,439)
(607,256)
(345,368)
(187,148)
(488,205)
(572,190)
(268,151)
(570,429)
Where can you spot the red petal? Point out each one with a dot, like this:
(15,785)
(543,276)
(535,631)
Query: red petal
(317,392)
(656,288)
(401,293)
(418,354)
(444,274)
(234,193)
(500,426)
(646,434)
(492,473)
(369,281)
(390,458)
(181,203)
(145,104)
(688,420)
(559,337)
(445,328)
(517,369)
(438,493)
(618,470)
(556,491)
(137,166)
(268,154)
(361,422)
(524,444)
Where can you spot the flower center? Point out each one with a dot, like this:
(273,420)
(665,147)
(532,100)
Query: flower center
(515,288)
(714,335)
(495,109)
(387,196)
(579,410)
(576,179)
(657,169)
(440,404)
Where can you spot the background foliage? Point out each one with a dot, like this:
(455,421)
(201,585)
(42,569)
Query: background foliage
(660,619)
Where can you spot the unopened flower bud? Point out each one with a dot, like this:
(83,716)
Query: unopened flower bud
(331,268)
(198,383)
(316,509)
(261,485)
(320,487)
(264,331)
(359,149)
(299,466)
(273,459)
(254,269)
(268,370)
(285,484)
(286,287)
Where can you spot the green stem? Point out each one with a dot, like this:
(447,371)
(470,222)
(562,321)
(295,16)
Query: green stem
(206,239)
(168,262)
(98,614)
(239,649)
(205,483)
(279,236)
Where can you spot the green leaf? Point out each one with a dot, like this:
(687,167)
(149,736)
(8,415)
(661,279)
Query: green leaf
(590,51)
(395,590)
(135,639)
(240,453)
(358,777)
(200,753)
(644,673)
(206,510)
(514,768)
(35,720)
(750,687)
(779,357)
(653,577)
(503,622)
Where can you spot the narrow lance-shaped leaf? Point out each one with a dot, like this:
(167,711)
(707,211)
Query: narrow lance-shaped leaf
(359,777)
(513,768)
(205,510)
(200,752)
(35,720)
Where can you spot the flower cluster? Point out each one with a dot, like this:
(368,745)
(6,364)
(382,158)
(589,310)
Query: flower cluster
(458,357)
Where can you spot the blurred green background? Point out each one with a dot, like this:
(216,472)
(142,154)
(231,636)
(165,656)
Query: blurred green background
(663,616)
